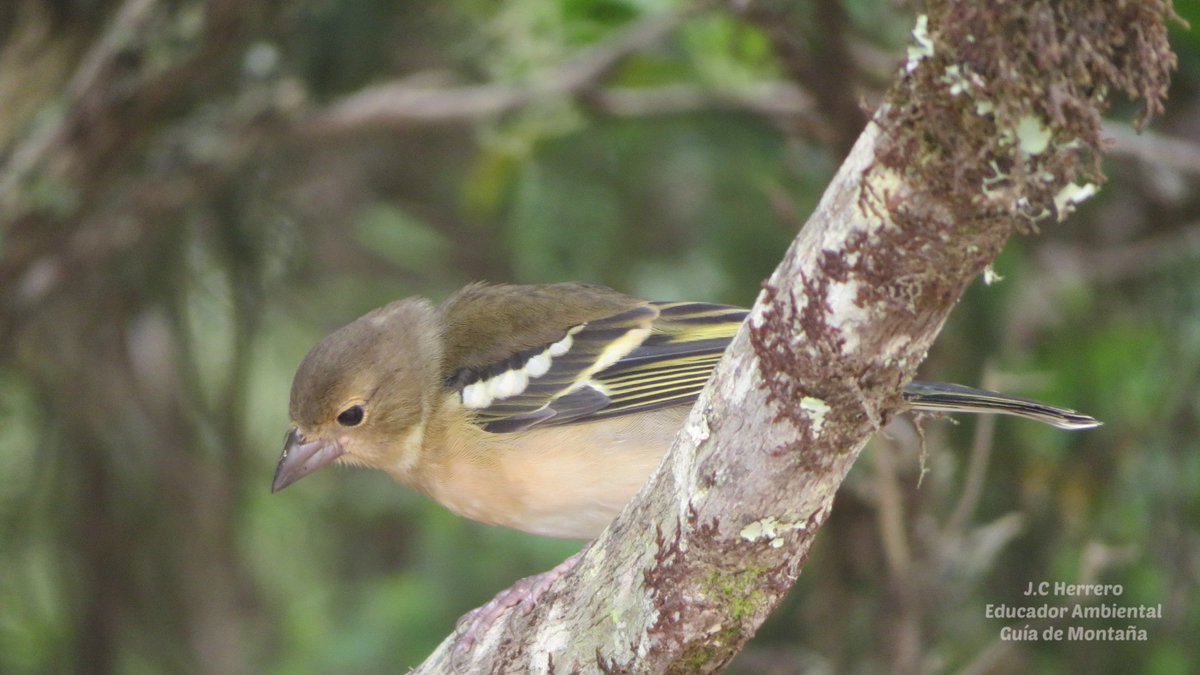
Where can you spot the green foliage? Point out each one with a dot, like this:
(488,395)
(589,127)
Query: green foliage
(726,54)
(405,241)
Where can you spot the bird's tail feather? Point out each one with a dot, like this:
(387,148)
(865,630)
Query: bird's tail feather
(939,397)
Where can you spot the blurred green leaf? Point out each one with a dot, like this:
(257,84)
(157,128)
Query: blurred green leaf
(409,242)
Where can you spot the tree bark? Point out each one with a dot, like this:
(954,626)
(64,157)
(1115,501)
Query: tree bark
(992,125)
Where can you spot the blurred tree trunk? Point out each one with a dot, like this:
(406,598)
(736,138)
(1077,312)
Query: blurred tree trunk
(991,127)
(93,317)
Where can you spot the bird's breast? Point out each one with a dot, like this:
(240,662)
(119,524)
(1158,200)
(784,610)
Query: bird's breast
(567,481)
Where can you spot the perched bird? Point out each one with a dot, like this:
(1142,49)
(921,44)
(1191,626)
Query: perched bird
(540,408)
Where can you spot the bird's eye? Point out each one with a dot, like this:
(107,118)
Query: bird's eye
(351,417)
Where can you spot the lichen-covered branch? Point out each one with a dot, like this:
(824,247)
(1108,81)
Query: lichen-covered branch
(992,126)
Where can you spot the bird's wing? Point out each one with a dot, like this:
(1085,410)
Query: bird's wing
(647,355)
(673,363)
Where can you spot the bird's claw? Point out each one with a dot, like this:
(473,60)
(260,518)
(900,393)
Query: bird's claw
(525,593)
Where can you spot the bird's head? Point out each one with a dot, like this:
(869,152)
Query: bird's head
(363,394)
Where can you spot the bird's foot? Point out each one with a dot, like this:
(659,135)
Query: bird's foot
(525,593)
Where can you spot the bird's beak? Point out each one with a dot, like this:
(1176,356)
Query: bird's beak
(301,458)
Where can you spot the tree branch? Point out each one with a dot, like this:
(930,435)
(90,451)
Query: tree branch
(403,103)
(977,140)
(1155,149)
(812,47)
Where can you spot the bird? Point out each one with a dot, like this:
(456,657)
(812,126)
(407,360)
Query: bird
(542,408)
